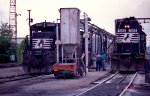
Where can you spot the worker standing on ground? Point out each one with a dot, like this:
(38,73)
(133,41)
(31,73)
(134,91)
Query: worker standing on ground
(98,62)
(104,61)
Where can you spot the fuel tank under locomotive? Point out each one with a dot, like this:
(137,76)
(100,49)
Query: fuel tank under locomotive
(39,49)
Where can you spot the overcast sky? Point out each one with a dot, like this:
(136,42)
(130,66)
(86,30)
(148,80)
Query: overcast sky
(102,12)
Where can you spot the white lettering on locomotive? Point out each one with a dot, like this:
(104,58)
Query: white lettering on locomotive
(132,30)
(121,30)
(125,30)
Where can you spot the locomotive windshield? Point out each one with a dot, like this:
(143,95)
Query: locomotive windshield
(43,30)
(46,29)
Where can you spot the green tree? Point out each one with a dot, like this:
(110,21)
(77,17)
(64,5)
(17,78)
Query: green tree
(5,31)
(4,49)
(20,50)
(5,42)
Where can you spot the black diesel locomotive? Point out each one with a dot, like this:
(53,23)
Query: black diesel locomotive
(39,49)
(130,45)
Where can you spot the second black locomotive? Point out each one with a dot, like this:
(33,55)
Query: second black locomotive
(130,45)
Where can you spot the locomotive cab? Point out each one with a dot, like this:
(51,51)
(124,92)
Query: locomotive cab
(42,37)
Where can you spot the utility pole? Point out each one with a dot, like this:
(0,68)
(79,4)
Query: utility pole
(29,19)
(16,25)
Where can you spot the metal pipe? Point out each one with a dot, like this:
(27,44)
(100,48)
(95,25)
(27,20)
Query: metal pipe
(62,52)
(57,45)
(76,56)
(86,41)
(16,35)
(102,36)
(96,43)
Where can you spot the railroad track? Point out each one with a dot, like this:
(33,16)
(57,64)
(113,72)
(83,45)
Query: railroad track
(128,86)
(115,83)
(104,76)
(16,78)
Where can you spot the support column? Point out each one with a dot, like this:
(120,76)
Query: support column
(57,45)
(86,35)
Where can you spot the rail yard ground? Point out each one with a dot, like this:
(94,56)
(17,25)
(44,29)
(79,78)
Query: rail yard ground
(11,71)
(46,85)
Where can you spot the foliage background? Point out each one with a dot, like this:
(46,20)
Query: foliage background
(8,47)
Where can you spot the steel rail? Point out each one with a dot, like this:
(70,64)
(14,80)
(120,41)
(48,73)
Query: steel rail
(122,79)
(18,77)
(104,76)
(121,94)
(13,76)
(98,83)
